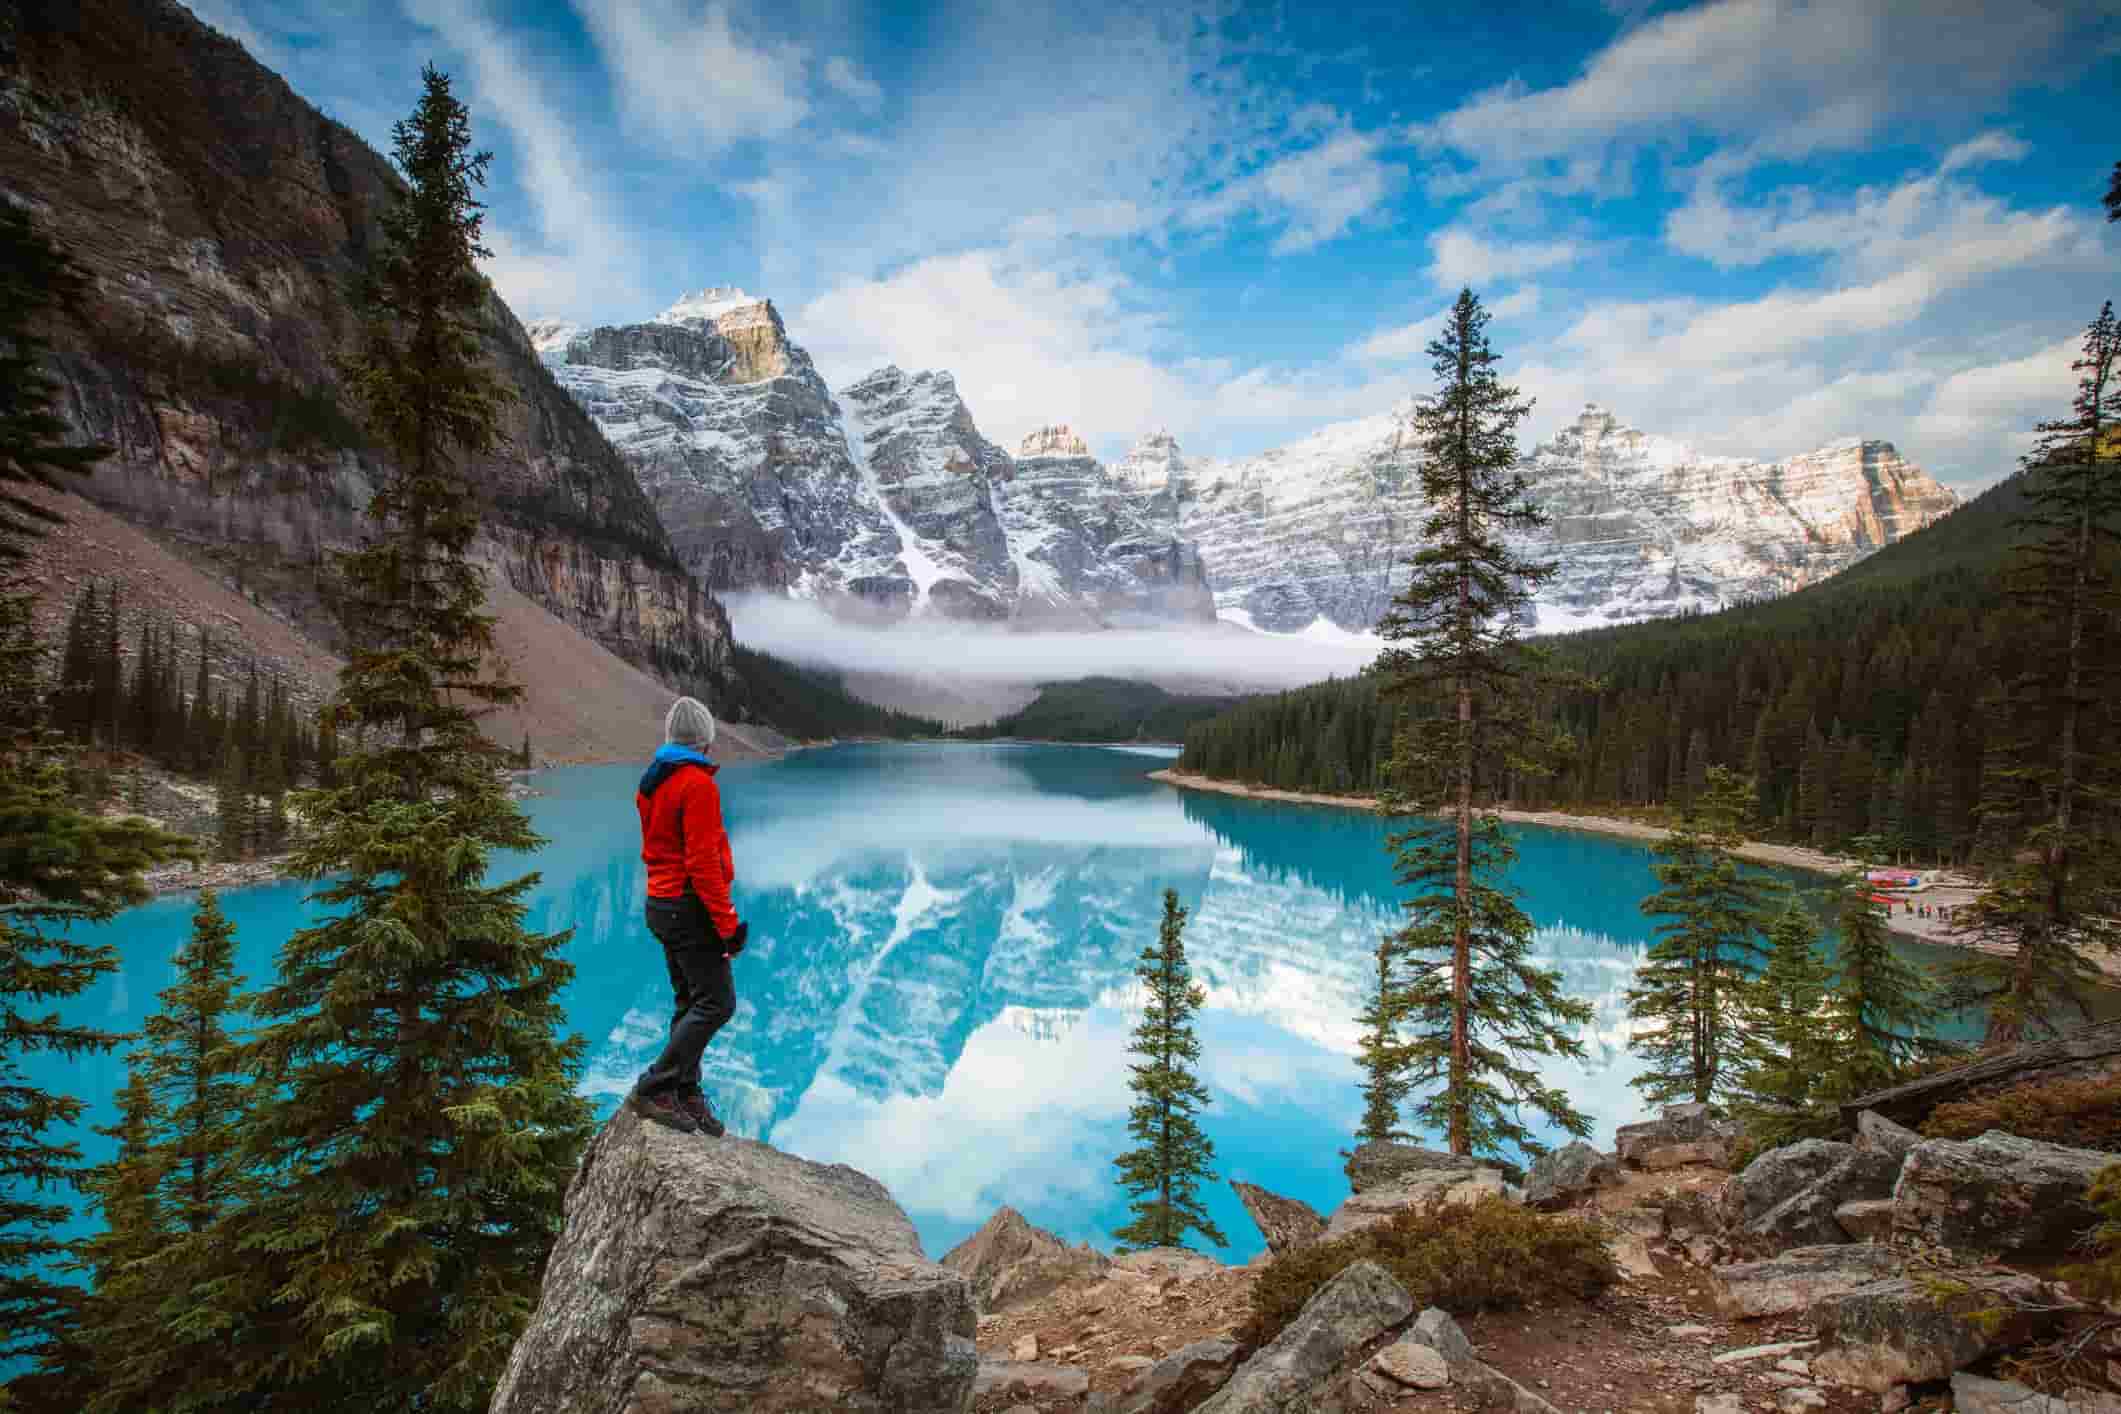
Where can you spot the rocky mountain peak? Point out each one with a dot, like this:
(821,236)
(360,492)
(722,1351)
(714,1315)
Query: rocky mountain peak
(1055,441)
(550,337)
(708,305)
(1152,463)
(752,326)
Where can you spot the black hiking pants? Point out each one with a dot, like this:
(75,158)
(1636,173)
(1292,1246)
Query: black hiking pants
(704,991)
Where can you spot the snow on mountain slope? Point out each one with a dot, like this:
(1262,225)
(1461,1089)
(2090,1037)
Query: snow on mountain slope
(1643,526)
(886,501)
(882,502)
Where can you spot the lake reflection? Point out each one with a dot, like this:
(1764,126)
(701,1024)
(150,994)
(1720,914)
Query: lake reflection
(939,987)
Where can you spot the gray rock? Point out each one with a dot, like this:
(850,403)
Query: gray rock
(1683,1134)
(1897,1331)
(1797,1278)
(1286,1223)
(1807,1217)
(1382,1164)
(1181,1262)
(1357,1306)
(1183,1378)
(1973,1394)
(1645,1222)
(1779,1175)
(1881,1136)
(1996,1194)
(1376,1205)
(1410,1362)
(1718,1404)
(1565,1175)
(1064,1381)
(1435,1328)
(682,1264)
(1870,1220)
(1009,1261)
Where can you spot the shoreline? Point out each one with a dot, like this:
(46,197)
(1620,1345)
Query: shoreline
(1787,856)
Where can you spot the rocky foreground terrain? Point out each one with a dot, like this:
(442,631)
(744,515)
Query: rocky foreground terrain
(1886,1273)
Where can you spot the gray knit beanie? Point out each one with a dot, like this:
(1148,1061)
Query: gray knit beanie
(689,724)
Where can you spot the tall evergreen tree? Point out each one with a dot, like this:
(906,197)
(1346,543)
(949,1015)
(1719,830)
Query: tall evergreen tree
(1879,1005)
(418,1114)
(1381,1054)
(150,1341)
(2046,917)
(1165,1170)
(1786,1042)
(1483,1010)
(1690,996)
(58,865)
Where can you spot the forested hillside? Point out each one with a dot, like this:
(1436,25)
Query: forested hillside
(1865,704)
(1107,709)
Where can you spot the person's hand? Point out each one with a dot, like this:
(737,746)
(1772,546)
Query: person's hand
(734,943)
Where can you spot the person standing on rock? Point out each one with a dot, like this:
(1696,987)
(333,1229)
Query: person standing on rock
(690,871)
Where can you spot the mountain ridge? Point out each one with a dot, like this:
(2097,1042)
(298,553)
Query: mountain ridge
(1316,534)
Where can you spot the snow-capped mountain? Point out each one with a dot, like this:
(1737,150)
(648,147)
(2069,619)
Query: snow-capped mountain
(884,500)
(1319,532)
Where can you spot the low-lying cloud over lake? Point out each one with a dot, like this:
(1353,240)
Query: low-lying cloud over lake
(1218,657)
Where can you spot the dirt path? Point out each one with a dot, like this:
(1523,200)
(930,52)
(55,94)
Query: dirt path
(1952,891)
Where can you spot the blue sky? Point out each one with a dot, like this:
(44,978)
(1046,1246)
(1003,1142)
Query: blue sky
(1757,225)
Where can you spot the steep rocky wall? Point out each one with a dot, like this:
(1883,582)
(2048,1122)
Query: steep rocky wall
(220,218)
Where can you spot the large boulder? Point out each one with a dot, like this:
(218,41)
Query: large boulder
(1383,1164)
(1996,1194)
(1376,1205)
(1183,1378)
(1357,1306)
(730,1276)
(1436,1329)
(1286,1223)
(1797,1279)
(1779,1175)
(1683,1134)
(1974,1394)
(1899,1331)
(1568,1175)
(1009,1261)
(1811,1215)
(1881,1136)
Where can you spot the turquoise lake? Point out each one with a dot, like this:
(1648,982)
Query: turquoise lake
(939,983)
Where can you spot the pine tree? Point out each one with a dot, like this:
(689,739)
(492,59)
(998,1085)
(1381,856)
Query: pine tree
(1879,1005)
(203,749)
(1481,1008)
(127,1193)
(73,707)
(1384,1060)
(1790,1039)
(58,865)
(149,1341)
(1164,1173)
(420,1139)
(110,692)
(2044,921)
(1690,996)
(231,807)
(2113,195)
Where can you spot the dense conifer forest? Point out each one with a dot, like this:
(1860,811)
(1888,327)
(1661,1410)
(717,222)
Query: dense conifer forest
(1870,704)
(1106,709)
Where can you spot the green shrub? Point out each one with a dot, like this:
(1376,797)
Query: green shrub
(1479,1257)
(2082,1113)
(2100,1278)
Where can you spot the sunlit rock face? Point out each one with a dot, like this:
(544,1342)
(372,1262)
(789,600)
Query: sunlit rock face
(1320,532)
(883,502)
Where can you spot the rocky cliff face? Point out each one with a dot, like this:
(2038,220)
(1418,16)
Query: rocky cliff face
(219,218)
(1319,533)
(885,501)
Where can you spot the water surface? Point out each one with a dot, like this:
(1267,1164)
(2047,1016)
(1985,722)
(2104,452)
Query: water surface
(939,985)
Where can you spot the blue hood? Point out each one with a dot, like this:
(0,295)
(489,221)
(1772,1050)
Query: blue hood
(668,758)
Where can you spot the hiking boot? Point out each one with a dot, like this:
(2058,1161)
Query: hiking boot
(695,1104)
(665,1109)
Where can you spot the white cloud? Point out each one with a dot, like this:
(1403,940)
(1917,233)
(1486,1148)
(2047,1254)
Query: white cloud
(1459,257)
(1989,147)
(1787,76)
(1991,408)
(1517,303)
(844,77)
(1400,343)
(1313,195)
(690,75)
(802,631)
(580,258)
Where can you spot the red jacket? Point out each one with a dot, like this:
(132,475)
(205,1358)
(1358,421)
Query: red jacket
(682,838)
